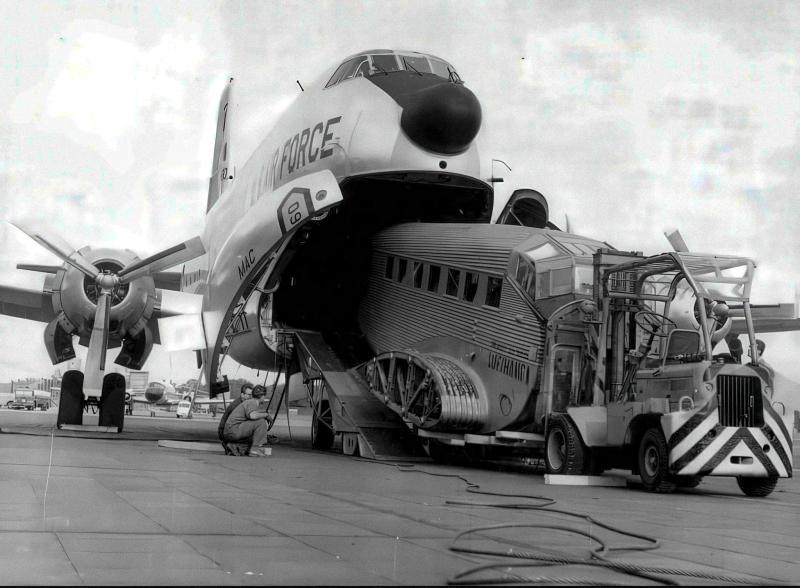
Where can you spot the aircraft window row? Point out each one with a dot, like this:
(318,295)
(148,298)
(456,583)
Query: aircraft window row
(385,63)
(471,287)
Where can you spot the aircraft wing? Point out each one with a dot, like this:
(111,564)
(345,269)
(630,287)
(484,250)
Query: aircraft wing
(768,318)
(28,304)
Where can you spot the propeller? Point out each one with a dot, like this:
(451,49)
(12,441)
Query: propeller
(98,344)
(106,282)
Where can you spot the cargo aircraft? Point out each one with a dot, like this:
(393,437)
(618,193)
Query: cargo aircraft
(383,137)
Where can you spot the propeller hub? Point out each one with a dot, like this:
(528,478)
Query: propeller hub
(107,281)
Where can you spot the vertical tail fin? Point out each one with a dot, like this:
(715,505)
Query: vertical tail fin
(221,170)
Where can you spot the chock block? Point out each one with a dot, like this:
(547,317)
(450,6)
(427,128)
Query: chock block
(562,480)
(90,428)
(192,445)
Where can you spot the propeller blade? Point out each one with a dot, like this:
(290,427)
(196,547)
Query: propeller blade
(164,259)
(676,240)
(61,248)
(45,269)
(98,344)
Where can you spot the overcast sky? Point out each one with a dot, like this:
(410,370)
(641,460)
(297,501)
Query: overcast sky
(630,117)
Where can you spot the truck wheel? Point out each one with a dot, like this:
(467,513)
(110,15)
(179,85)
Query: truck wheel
(758,487)
(654,462)
(564,451)
(687,481)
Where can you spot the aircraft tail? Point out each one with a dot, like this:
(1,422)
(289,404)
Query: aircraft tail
(221,170)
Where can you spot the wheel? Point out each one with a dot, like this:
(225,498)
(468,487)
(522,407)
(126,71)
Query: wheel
(322,426)
(757,487)
(654,462)
(70,406)
(564,451)
(112,402)
(687,481)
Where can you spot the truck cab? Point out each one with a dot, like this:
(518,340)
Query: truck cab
(633,381)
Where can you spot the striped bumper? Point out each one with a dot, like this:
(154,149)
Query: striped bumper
(700,446)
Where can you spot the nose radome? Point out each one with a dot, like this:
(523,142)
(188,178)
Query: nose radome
(443,118)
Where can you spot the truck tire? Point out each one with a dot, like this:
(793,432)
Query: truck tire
(564,452)
(687,481)
(757,487)
(654,462)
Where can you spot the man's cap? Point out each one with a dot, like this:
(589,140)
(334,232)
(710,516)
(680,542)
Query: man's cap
(259,391)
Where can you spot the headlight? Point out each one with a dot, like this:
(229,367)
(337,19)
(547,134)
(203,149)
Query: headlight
(709,387)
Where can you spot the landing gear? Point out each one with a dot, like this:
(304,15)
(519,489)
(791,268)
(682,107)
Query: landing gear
(654,462)
(70,405)
(322,433)
(757,487)
(564,450)
(112,402)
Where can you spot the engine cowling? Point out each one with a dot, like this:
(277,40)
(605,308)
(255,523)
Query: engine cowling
(74,297)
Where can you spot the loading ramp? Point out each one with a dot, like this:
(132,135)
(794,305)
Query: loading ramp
(368,427)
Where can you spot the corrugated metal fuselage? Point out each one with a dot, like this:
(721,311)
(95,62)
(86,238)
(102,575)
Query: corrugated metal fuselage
(496,340)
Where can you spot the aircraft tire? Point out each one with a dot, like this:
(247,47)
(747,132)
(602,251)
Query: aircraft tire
(70,404)
(757,487)
(654,462)
(322,433)
(112,402)
(564,452)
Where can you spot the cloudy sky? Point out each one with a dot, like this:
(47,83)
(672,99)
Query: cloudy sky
(630,117)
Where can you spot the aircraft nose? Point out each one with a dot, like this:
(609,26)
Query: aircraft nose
(443,118)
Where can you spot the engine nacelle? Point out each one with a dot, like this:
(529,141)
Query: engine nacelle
(74,298)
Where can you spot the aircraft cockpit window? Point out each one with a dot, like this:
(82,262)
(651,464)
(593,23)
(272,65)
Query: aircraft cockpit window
(577,248)
(347,70)
(526,276)
(385,63)
(444,70)
(543,251)
(363,69)
(416,63)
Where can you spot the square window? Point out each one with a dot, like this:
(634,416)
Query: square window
(470,286)
(453,277)
(494,288)
(402,267)
(433,278)
(417,274)
(389,266)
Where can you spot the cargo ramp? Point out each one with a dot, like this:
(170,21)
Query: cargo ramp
(343,404)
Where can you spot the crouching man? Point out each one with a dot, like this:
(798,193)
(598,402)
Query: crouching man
(249,422)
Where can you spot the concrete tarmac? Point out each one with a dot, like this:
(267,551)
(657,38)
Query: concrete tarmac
(118,509)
